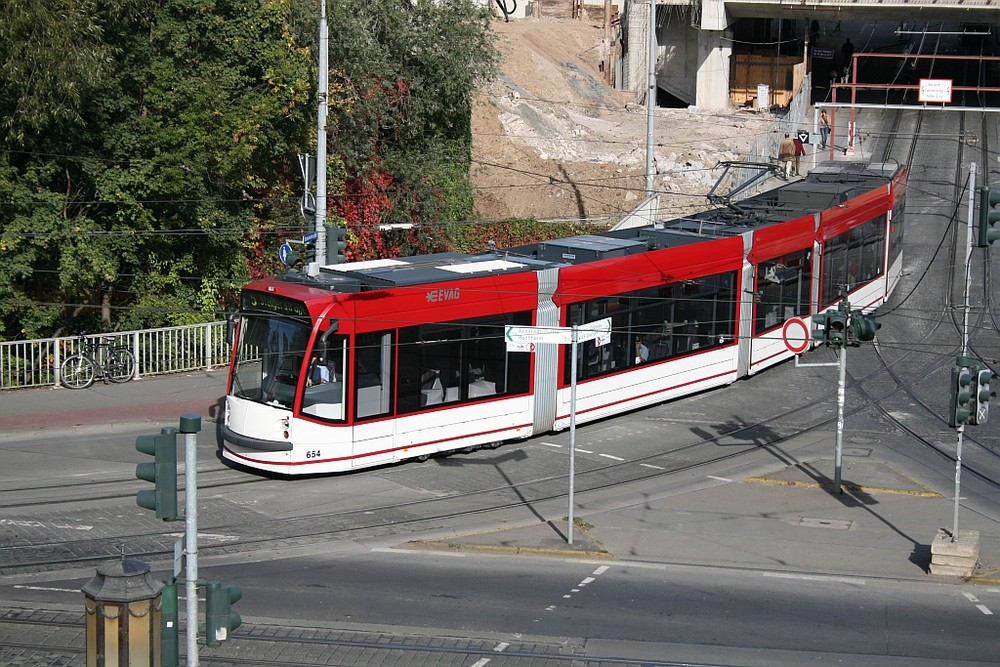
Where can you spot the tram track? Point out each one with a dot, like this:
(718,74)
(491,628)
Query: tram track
(261,643)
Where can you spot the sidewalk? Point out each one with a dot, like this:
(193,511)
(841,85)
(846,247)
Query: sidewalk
(789,521)
(152,398)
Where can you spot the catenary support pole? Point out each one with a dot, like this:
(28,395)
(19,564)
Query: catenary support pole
(650,95)
(321,117)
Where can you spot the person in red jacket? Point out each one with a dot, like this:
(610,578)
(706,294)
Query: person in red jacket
(800,150)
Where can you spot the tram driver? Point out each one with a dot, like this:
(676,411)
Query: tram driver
(318,371)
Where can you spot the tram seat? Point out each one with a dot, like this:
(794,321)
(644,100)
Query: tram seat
(433,395)
(328,392)
(369,401)
(482,388)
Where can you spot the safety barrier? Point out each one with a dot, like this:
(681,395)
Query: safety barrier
(36,363)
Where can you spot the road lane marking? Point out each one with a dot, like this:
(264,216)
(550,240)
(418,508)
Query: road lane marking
(650,465)
(974,600)
(436,553)
(719,479)
(815,577)
(609,456)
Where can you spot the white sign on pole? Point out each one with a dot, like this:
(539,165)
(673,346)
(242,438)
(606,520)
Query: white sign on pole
(935,90)
(524,338)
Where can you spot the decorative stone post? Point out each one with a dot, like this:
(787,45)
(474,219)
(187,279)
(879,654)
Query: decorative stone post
(123,615)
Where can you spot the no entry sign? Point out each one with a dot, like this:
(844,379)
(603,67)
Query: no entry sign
(797,334)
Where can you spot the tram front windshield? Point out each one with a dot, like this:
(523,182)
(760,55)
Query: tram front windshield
(269,358)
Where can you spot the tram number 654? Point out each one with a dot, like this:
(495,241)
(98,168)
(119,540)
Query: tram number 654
(313,454)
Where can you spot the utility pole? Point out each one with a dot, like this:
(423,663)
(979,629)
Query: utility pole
(650,95)
(321,116)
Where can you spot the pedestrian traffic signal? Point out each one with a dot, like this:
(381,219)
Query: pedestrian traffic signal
(981,396)
(220,619)
(336,244)
(962,391)
(863,327)
(832,328)
(988,217)
(163,473)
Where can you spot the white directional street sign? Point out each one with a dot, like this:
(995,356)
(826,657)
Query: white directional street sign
(524,338)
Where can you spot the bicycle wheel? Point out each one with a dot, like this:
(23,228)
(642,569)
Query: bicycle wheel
(120,365)
(77,372)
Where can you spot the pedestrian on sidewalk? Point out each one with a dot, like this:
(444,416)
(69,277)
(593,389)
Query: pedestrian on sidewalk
(800,150)
(847,53)
(786,155)
(824,128)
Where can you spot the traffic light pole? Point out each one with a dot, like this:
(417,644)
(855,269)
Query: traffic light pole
(190,425)
(838,460)
(965,342)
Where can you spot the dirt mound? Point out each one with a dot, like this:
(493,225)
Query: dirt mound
(551,140)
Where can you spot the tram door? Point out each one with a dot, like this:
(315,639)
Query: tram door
(374,439)
(745,324)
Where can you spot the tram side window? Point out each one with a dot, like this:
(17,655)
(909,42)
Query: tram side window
(656,323)
(325,391)
(593,359)
(783,285)
(372,374)
(852,258)
(461,361)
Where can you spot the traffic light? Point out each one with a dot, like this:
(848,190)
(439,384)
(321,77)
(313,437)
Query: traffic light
(981,396)
(987,216)
(336,244)
(962,391)
(819,333)
(832,328)
(163,473)
(836,328)
(220,619)
(863,327)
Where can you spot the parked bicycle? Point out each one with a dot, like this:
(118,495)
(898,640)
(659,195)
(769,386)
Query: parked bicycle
(115,363)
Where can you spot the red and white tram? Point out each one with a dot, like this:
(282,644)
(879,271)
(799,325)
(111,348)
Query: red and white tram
(374,362)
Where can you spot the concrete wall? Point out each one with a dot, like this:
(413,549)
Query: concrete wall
(678,59)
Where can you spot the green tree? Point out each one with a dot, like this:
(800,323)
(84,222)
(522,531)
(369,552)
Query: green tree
(407,72)
(133,194)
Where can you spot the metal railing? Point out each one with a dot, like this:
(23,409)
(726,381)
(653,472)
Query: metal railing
(36,363)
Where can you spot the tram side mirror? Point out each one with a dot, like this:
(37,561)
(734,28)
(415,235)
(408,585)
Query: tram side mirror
(332,329)
(231,327)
